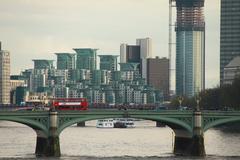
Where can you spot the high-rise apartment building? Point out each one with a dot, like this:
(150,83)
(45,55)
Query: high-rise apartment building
(230,33)
(137,54)
(158,74)
(4,76)
(43,64)
(190,47)
(129,71)
(38,79)
(145,52)
(86,58)
(145,47)
(66,60)
(108,62)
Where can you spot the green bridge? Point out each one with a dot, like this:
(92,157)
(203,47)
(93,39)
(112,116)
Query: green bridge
(188,126)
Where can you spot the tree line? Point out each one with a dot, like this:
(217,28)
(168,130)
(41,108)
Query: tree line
(224,97)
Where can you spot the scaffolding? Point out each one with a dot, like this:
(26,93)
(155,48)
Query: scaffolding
(190,15)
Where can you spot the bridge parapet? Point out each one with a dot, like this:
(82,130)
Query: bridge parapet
(189,126)
(35,120)
(215,118)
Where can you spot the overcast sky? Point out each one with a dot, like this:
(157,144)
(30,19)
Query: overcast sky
(36,29)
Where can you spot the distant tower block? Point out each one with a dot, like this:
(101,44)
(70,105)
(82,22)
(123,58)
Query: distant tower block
(5,76)
(190,47)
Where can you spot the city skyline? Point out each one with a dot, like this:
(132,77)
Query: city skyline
(45,27)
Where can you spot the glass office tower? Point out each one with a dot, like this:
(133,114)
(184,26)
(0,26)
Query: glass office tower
(230,33)
(190,47)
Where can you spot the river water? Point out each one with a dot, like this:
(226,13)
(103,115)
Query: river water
(90,143)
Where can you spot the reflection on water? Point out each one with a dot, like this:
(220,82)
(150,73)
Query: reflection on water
(90,143)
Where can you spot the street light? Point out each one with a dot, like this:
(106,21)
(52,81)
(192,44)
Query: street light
(198,99)
(180,100)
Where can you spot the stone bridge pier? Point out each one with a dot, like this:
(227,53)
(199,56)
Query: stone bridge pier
(48,145)
(190,144)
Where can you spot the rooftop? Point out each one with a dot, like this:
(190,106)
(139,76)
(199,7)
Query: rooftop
(234,63)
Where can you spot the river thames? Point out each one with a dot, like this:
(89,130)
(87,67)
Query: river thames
(90,143)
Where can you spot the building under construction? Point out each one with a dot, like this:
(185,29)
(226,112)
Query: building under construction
(190,47)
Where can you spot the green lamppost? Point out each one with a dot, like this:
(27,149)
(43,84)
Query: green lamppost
(198,99)
(180,100)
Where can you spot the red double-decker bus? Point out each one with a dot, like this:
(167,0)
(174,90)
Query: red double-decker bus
(70,104)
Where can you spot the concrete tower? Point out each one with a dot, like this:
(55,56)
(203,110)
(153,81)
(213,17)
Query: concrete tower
(123,53)
(4,76)
(190,47)
(145,53)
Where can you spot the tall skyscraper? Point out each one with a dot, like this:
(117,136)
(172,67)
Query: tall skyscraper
(123,53)
(4,76)
(145,52)
(108,62)
(66,60)
(133,54)
(86,58)
(130,53)
(137,54)
(145,47)
(158,74)
(190,47)
(230,33)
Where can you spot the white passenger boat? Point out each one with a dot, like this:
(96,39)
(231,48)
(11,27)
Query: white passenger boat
(116,123)
(105,123)
(126,123)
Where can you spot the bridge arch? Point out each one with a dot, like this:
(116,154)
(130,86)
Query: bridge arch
(168,121)
(35,125)
(219,122)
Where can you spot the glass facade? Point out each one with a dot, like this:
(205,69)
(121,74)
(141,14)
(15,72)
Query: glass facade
(86,58)
(190,47)
(65,61)
(190,62)
(230,33)
(108,62)
(43,64)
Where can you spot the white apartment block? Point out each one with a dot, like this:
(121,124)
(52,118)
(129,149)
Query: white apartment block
(145,52)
